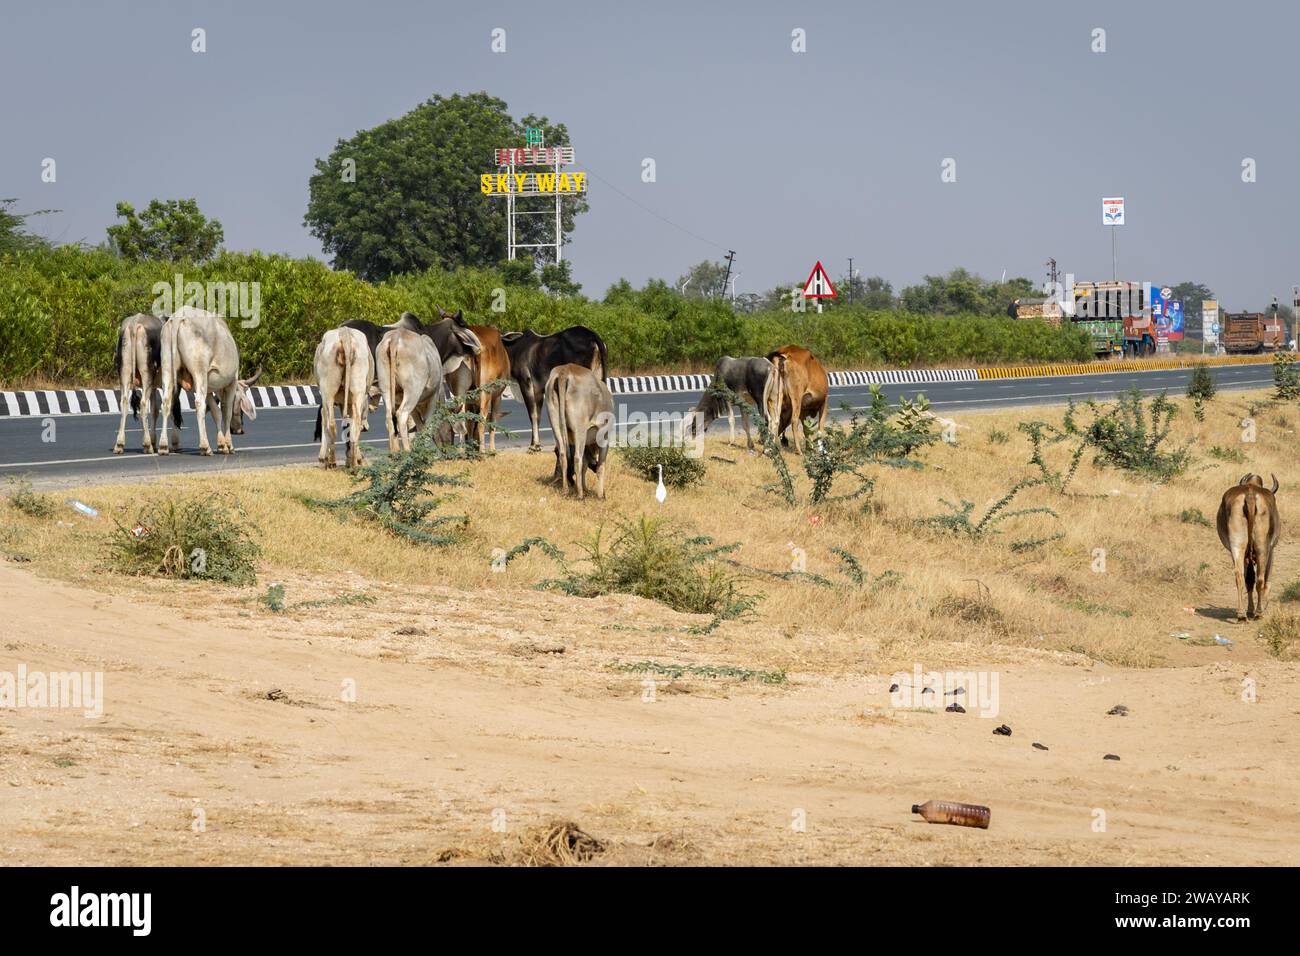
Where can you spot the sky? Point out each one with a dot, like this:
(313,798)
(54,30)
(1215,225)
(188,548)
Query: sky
(786,157)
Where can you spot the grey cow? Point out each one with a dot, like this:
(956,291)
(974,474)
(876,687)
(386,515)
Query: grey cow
(137,359)
(199,352)
(748,378)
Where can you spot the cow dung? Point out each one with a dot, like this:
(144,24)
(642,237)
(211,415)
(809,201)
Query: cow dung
(411,631)
(1119,710)
(1038,746)
(1002,730)
(1111,757)
(955,708)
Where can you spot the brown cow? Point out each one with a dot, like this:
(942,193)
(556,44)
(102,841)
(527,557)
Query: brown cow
(1249,528)
(492,364)
(798,381)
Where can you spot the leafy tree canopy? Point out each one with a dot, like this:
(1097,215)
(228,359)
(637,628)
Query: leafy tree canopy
(14,236)
(171,230)
(404,196)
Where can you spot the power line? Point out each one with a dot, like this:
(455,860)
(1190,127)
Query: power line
(645,208)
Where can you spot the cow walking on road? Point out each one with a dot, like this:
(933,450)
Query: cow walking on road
(137,361)
(581,409)
(344,372)
(410,379)
(198,352)
(533,357)
(1249,527)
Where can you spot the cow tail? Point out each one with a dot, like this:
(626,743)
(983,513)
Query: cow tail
(124,364)
(344,358)
(604,360)
(1251,507)
(561,427)
(390,408)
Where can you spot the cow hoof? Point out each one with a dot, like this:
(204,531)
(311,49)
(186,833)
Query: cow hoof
(118,449)
(534,448)
(1240,619)
(164,450)
(206,452)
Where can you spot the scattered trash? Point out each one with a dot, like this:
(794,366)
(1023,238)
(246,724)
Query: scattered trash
(954,693)
(276,694)
(1003,730)
(1190,610)
(1038,746)
(1119,710)
(927,690)
(957,814)
(1181,635)
(139,531)
(84,508)
(1111,757)
(729,461)
(955,708)
(18,558)
(814,520)
(1222,641)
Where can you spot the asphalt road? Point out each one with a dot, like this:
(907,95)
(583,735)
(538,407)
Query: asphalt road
(82,450)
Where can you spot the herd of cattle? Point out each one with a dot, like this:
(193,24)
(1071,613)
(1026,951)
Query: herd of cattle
(411,364)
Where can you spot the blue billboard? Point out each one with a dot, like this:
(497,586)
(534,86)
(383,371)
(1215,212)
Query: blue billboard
(1166,311)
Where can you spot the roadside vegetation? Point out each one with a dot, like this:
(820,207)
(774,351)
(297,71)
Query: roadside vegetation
(1083,545)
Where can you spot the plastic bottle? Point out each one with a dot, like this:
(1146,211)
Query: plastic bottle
(957,814)
(84,508)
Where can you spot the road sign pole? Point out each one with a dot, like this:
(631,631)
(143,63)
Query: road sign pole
(1114,270)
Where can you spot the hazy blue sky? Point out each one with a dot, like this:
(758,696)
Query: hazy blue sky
(785,157)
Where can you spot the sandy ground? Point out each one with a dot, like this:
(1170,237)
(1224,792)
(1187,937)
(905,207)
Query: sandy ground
(491,720)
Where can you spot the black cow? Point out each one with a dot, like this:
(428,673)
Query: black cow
(533,356)
(451,337)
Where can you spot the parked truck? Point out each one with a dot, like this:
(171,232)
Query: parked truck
(1246,332)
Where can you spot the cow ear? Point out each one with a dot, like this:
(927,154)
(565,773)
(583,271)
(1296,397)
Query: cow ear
(469,340)
(452,363)
(511,336)
(246,405)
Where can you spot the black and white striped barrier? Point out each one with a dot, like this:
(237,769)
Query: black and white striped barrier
(105,401)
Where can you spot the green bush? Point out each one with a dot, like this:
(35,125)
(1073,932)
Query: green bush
(1286,377)
(22,497)
(1201,386)
(60,310)
(680,470)
(208,538)
(1129,436)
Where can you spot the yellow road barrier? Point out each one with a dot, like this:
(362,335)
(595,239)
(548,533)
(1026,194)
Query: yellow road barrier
(1122,365)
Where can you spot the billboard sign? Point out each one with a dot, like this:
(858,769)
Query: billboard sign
(1112,211)
(1167,312)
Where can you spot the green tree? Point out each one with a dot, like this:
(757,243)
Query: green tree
(557,277)
(1192,295)
(405,196)
(871,292)
(703,280)
(169,230)
(14,236)
(961,292)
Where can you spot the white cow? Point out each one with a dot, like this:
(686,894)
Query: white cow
(136,357)
(344,371)
(410,379)
(199,352)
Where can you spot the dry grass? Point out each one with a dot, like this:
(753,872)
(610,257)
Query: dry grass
(950,590)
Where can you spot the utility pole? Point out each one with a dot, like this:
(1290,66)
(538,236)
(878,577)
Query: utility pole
(731,255)
(850,280)
(1295,315)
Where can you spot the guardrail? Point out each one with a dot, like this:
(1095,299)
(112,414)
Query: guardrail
(104,401)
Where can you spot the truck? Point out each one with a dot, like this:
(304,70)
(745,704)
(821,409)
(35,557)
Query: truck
(1116,316)
(1252,332)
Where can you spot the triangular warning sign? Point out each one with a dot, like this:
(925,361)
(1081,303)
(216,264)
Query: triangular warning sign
(818,285)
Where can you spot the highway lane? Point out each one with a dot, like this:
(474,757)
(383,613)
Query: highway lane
(81,450)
